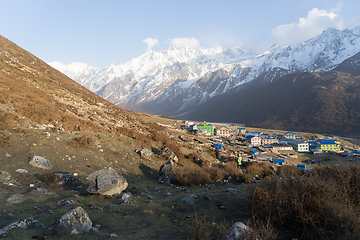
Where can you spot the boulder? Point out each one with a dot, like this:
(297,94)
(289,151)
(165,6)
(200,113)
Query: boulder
(166,171)
(237,231)
(66,179)
(40,162)
(5,176)
(16,198)
(170,155)
(106,182)
(76,221)
(145,153)
(28,223)
(188,199)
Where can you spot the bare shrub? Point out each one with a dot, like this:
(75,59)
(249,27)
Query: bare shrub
(188,176)
(231,169)
(319,205)
(202,229)
(262,170)
(83,141)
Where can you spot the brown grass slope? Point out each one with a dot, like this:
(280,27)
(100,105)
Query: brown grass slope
(32,91)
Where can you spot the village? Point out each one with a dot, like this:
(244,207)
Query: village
(305,151)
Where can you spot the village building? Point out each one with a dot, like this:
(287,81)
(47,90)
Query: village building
(329,145)
(282,147)
(253,140)
(223,131)
(267,140)
(299,146)
(290,135)
(206,126)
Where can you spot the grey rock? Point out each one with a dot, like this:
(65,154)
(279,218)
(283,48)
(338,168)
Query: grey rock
(106,182)
(145,153)
(166,171)
(16,198)
(20,170)
(189,199)
(66,179)
(237,231)
(40,162)
(28,223)
(208,197)
(126,198)
(44,191)
(65,202)
(5,176)
(170,155)
(76,221)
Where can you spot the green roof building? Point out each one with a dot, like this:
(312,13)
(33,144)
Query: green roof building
(208,127)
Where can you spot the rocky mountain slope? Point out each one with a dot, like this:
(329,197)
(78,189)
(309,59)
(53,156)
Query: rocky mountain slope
(33,93)
(174,81)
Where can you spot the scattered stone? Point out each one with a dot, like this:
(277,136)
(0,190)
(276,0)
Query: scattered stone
(166,171)
(40,162)
(189,199)
(21,170)
(66,179)
(222,207)
(44,191)
(76,221)
(170,155)
(237,231)
(28,223)
(31,185)
(7,155)
(233,189)
(208,197)
(57,138)
(146,195)
(113,235)
(126,198)
(106,182)
(65,202)
(47,134)
(5,176)
(16,198)
(145,153)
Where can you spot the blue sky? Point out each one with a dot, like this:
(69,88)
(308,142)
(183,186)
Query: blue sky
(103,32)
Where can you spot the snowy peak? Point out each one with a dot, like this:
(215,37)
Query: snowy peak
(184,76)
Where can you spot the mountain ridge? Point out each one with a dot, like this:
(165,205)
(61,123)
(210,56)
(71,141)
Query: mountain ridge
(185,77)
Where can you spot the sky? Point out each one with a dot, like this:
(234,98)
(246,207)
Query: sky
(114,31)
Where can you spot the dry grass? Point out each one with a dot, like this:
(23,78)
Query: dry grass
(195,175)
(262,170)
(82,141)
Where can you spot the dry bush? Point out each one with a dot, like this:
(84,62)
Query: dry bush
(259,230)
(188,176)
(216,174)
(232,169)
(197,159)
(202,229)
(262,170)
(319,205)
(83,141)
(51,178)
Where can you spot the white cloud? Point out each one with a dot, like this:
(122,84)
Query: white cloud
(187,42)
(151,42)
(315,23)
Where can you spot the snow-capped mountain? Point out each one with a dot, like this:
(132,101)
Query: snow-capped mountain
(172,82)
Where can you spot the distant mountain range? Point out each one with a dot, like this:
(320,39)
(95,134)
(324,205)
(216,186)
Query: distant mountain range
(230,85)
